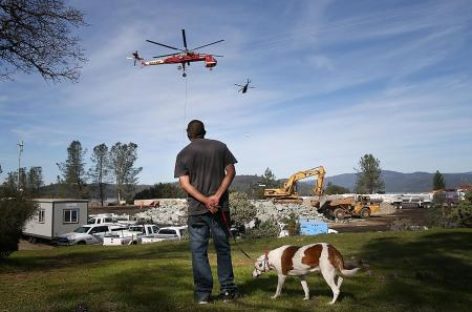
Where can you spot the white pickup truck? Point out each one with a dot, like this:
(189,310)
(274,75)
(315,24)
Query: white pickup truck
(87,234)
(131,235)
(109,218)
(166,233)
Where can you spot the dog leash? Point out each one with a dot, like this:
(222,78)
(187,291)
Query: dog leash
(225,221)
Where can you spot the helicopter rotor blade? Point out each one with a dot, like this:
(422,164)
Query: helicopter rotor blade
(185,39)
(164,45)
(164,55)
(217,55)
(206,45)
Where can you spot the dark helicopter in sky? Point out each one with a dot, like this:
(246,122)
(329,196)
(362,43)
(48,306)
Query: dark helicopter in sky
(243,88)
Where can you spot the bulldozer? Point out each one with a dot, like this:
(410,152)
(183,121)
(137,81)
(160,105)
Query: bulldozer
(354,206)
(288,192)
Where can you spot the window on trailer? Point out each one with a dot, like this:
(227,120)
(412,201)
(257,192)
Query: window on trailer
(71,215)
(41,213)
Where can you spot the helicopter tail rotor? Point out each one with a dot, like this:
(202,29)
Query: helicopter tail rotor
(136,58)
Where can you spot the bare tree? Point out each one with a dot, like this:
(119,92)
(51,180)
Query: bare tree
(35,36)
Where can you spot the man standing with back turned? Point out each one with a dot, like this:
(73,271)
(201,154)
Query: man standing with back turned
(205,169)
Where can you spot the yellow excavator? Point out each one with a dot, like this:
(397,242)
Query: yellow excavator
(359,206)
(288,193)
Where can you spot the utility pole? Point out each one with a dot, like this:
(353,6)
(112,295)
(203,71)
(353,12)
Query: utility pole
(20,151)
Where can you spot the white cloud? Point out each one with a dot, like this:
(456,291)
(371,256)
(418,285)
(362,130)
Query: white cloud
(333,82)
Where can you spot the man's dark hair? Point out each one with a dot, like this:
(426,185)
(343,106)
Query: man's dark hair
(196,129)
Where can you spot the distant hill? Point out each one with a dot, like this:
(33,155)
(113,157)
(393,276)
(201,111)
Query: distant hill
(395,182)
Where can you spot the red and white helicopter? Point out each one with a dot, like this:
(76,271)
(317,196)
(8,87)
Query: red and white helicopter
(184,57)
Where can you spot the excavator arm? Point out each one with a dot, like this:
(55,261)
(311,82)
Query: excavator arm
(288,190)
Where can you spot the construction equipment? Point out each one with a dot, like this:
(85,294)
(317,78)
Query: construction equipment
(358,206)
(288,193)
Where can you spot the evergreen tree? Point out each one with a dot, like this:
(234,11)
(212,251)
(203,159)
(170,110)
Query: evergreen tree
(15,209)
(100,169)
(122,159)
(266,181)
(438,181)
(369,176)
(73,171)
(34,180)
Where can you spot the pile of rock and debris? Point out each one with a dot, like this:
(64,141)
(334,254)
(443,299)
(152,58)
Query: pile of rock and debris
(174,211)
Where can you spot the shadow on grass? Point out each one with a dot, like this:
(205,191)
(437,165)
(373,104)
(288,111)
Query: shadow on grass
(427,271)
(68,257)
(157,288)
(433,271)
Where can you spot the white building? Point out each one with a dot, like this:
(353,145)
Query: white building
(55,217)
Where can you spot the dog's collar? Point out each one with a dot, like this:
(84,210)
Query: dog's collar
(265,262)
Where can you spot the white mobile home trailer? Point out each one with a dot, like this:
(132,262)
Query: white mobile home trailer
(55,217)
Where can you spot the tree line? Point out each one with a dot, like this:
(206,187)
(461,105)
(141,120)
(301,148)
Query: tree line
(108,165)
(369,180)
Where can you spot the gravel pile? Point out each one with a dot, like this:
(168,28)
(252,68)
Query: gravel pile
(174,211)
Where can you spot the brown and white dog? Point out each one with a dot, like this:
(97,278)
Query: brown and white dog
(299,261)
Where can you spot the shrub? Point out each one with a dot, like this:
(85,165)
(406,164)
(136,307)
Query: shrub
(462,214)
(15,210)
(266,229)
(446,215)
(293,226)
(439,215)
(242,211)
(400,224)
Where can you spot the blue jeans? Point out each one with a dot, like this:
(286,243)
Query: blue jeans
(199,227)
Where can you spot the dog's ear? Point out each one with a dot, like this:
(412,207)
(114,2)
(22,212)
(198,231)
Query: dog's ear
(266,253)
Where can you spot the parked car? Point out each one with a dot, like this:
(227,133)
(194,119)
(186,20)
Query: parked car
(166,233)
(87,234)
(131,235)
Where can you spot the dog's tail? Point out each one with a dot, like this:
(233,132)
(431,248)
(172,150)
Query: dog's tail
(349,273)
(337,261)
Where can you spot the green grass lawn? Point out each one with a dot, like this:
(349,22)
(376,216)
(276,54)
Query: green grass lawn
(408,271)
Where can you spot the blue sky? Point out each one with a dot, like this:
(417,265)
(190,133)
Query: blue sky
(334,80)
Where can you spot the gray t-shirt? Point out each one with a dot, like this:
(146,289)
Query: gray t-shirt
(204,161)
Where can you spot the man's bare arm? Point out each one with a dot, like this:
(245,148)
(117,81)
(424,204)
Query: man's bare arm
(227,180)
(184,182)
